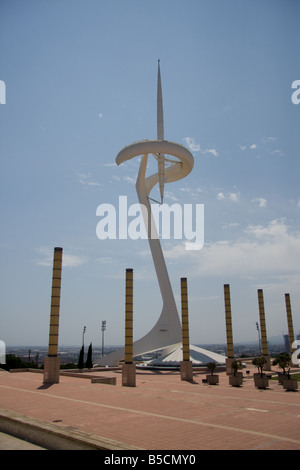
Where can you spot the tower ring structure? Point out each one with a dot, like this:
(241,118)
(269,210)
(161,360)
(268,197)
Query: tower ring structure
(175,172)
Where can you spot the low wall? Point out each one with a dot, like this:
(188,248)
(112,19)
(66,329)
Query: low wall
(52,437)
(75,373)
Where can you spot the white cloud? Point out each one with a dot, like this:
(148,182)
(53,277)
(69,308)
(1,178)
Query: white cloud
(128,179)
(277,152)
(194,147)
(170,195)
(235,197)
(109,164)
(265,140)
(69,261)
(100,115)
(212,151)
(263,250)
(261,201)
(243,147)
(231,225)
(190,142)
(277,229)
(186,190)
(86,180)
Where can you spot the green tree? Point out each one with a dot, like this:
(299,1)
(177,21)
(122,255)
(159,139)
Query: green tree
(284,361)
(259,362)
(235,366)
(89,362)
(211,366)
(80,361)
(16,362)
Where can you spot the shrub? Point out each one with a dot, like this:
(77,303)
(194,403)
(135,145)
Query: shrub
(236,365)
(284,361)
(211,366)
(259,362)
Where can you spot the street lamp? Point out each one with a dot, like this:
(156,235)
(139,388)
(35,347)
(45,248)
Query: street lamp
(259,348)
(103,328)
(84,330)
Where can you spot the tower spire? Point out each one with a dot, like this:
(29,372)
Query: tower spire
(160,135)
(160,114)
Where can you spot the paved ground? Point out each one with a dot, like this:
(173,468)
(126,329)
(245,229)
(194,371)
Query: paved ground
(162,412)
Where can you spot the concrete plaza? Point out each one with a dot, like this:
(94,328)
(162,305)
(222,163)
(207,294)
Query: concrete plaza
(161,413)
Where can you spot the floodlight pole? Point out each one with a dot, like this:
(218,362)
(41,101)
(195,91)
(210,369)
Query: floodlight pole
(103,328)
(84,330)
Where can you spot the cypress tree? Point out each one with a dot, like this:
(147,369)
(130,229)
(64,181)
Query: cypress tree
(89,362)
(80,361)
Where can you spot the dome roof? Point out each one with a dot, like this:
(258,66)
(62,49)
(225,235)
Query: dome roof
(199,356)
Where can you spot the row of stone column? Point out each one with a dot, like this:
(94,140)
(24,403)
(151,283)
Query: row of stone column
(129,368)
(52,365)
(263,329)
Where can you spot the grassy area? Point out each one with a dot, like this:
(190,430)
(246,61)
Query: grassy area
(293,376)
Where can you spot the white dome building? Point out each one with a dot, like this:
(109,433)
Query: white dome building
(171,357)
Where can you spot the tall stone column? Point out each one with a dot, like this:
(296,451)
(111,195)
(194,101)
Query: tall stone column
(128,369)
(289,321)
(186,366)
(229,336)
(263,329)
(52,362)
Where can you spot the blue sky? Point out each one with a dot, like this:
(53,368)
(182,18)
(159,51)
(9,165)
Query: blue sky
(80,82)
